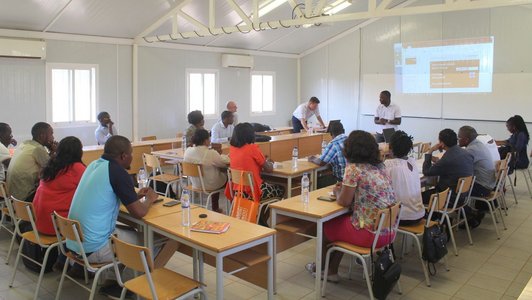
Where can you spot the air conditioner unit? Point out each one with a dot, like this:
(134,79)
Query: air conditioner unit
(22,48)
(237,61)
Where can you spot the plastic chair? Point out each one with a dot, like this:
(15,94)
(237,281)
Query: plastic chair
(151,162)
(158,283)
(189,170)
(498,195)
(24,211)
(437,202)
(70,229)
(464,186)
(7,211)
(245,178)
(382,221)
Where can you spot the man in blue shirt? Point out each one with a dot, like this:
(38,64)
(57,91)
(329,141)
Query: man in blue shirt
(333,155)
(104,186)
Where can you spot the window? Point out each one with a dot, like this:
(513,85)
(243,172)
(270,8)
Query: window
(71,93)
(262,92)
(202,92)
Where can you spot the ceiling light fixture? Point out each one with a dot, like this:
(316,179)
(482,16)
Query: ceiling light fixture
(336,7)
(268,6)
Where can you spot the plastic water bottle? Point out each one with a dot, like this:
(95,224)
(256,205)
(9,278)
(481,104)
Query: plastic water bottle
(142,180)
(184,141)
(295,155)
(323,146)
(185,206)
(305,186)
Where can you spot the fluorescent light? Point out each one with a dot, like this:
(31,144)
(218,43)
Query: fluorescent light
(336,7)
(271,5)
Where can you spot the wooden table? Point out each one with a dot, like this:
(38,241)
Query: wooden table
(286,171)
(316,211)
(277,131)
(240,236)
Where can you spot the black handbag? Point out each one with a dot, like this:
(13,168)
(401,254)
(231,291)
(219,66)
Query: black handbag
(434,245)
(386,271)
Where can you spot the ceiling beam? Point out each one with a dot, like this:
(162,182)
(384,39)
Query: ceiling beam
(371,13)
(162,19)
(57,16)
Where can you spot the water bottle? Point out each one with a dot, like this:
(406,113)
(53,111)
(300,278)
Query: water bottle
(142,180)
(323,146)
(184,141)
(295,155)
(305,185)
(185,206)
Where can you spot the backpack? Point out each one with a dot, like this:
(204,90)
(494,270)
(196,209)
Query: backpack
(386,273)
(434,245)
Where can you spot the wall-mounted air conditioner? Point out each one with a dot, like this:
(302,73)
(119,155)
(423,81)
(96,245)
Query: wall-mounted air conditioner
(22,48)
(237,61)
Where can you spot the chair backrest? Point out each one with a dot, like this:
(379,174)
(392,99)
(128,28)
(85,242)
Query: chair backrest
(7,200)
(190,169)
(437,202)
(239,177)
(3,190)
(148,138)
(66,228)
(386,218)
(131,255)
(423,147)
(500,179)
(463,187)
(151,161)
(20,208)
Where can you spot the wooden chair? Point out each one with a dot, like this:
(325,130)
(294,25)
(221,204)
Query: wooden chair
(506,162)
(422,148)
(437,202)
(24,211)
(148,138)
(155,283)
(67,229)
(245,178)
(191,170)
(151,162)
(382,221)
(527,176)
(463,187)
(496,195)
(7,212)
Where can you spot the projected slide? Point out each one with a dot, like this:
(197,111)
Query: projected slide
(448,66)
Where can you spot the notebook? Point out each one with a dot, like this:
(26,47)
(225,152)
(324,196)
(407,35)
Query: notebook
(210,226)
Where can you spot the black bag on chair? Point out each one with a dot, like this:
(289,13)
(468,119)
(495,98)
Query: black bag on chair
(386,273)
(434,245)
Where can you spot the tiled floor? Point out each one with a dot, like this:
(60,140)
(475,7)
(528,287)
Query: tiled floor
(489,269)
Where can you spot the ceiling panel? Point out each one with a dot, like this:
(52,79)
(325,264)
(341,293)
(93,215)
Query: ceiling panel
(28,15)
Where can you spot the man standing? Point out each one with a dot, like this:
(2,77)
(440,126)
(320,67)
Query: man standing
(29,159)
(104,186)
(304,112)
(106,129)
(222,131)
(483,166)
(6,138)
(231,106)
(387,116)
(333,155)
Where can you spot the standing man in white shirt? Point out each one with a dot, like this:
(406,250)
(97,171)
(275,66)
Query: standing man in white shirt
(231,106)
(304,112)
(222,131)
(106,129)
(387,116)
(6,139)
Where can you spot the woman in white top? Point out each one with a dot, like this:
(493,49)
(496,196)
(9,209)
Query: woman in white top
(214,164)
(404,175)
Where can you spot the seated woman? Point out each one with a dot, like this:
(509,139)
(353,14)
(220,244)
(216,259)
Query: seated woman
(517,142)
(404,174)
(59,180)
(366,189)
(245,155)
(196,121)
(214,165)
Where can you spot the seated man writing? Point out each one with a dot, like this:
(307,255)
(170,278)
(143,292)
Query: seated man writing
(104,186)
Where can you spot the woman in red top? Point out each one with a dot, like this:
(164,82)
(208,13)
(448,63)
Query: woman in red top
(59,180)
(245,155)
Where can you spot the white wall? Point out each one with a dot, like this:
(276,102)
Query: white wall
(162,90)
(424,115)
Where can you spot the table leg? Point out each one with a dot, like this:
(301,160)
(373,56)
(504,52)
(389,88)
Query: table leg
(219,277)
(289,187)
(271,252)
(145,234)
(200,268)
(195,264)
(274,254)
(149,238)
(319,238)
(314,179)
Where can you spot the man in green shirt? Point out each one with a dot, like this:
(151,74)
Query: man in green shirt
(29,159)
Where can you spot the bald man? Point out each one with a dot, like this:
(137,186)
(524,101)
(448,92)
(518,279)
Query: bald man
(231,106)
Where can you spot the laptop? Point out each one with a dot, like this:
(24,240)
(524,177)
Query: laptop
(330,123)
(388,132)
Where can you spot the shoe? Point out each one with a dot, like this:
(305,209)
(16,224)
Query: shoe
(473,223)
(113,291)
(311,268)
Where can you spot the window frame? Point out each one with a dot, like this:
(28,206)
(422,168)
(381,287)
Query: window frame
(49,100)
(216,72)
(263,113)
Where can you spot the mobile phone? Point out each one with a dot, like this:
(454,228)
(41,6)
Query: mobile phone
(158,200)
(171,203)
(326,198)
